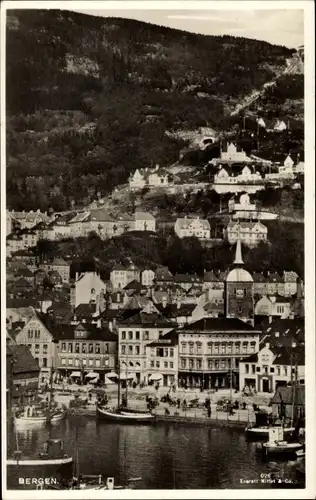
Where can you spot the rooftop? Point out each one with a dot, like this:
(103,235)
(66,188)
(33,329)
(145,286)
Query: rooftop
(219,325)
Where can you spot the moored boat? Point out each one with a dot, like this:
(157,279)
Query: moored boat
(37,417)
(277,446)
(125,415)
(260,429)
(52,466)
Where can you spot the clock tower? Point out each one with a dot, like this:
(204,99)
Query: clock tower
(239,290)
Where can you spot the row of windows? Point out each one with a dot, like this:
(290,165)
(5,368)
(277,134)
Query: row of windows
(265,369)
(131,349)
(37,348)
(42,362)
(217,364)
(83,362)
(163,352)
(218,347)
(164,364)
(130,335)
(34,334)
(85,348)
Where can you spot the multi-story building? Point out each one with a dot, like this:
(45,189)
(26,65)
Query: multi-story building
(233,155)
(274,306)
(163,277)
(135,333)
(250,233)
(162,356)
(280,359)
(185,227)
(59,265)
(121,275)
(147,277)
(210,350)
(14,242)
(39,339)
(22,374)
(85,349)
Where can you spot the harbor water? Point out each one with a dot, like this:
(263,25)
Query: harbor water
(168,456)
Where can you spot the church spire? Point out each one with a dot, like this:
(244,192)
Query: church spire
(238,256)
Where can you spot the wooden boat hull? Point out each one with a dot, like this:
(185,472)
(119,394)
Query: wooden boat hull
(26,422)
(260,433)
(31,473)
(125,417)
(275,450)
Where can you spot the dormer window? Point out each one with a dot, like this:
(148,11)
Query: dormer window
(92,291)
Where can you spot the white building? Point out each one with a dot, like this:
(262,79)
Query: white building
(138,179)
(147,277)
(285,171)
(200,228)
(251,233)
(87,289)
(273,306)
(233,155)
(144,221)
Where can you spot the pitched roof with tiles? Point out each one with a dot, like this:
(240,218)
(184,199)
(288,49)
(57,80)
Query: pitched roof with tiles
(143,216)
(144,320)
(23,360)
(163,274)
(285,395)
(187,278)
(209,276)
(169,339)
(58,261)
(186,222)
(133,285)
(85,311)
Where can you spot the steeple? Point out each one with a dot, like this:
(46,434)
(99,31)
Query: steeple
(238,256)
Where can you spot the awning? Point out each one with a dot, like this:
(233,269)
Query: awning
(108,381)
(92,375)
(75,374)
(95,380)
(125,376)
(112,375)
(155,376)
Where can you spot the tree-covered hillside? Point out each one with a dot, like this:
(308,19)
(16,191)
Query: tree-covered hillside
(89,99)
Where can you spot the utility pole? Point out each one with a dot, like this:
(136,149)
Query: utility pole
(231,380)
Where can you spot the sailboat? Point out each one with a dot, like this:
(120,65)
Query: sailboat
(37,416)
(122,413)
(260,429)
(277,445)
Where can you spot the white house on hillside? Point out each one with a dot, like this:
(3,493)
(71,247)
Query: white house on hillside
(251,233)
(233,155)
(193,227)
(144,221)
(87,289)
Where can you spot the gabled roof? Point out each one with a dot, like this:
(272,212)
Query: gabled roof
(186,222)
(58,261)
(187,278)
(85,311)
(145,320)
(173,311)
(259,278)
(80,217)
(143,216)
(133,285)
(209,276)
(285,395)
(25,273)
(23,360)
(23,283)
(169,339)
(119,267)
(163,274)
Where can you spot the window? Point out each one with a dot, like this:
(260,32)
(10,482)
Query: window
(229,362)
(137,350)
(90,348)
(183,363)
(165,352)
(123,335)
(157,364)
(216,364)
(171,352)
(69,347)
(152,364)
(247,368)
(183,347)
(137,335)
(216,348)
(97,348)
(253,368)
(92,291)
(190,363)
(223,348)
(244,347)
(210,364)
(223,363)
(130,349)
(237,347)
(171,364)
(106,349)
(284,368)
(29,346)
(98,363)
(166,364)
(123,349)
(252,347)
(44,362)
(265,369)
(130,335)
(76,362)
(199,364)
(77,348)
(45,347)
(229,348)
(63,347)
(37,348)
(258,369)
(278,368)
(209,347)
(63,361)
(198,347)
(146,335)
(191,347)
(84,348)
(37,334)
(84,362)
(90,362)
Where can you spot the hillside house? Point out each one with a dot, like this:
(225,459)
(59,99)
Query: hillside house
(147,277)
(87,289)
(144,222)
(250,233)
(163,277)
(185,227)
(118,277)
(232,154)
(29,219)
(14,242)
(274,306)
(159,177)
(138,179)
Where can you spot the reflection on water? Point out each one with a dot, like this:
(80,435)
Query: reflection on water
(164,456)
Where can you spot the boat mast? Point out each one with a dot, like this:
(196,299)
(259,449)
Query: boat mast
(126,375)
(293,382)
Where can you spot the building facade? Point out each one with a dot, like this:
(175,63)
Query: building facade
(200,228)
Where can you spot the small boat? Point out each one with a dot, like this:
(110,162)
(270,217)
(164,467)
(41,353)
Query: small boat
(300,453)
(125,415)
(97,483)
(260,429)
(278,446)
(53,463)
(36,417)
